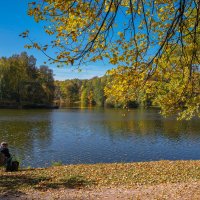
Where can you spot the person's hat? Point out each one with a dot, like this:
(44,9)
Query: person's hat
(4,143)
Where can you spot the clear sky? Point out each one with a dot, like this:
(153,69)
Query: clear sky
(14,20)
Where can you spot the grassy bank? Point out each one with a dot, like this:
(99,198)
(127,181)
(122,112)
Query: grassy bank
(100,175)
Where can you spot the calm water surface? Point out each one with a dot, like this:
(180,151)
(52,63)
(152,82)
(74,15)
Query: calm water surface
(40,137)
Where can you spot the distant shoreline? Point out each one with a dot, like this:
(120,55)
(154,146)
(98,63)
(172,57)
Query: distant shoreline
(32,106)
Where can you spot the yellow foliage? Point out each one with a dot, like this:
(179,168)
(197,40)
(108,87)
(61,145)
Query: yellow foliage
(86,31)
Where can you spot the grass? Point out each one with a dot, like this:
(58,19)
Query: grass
(56,163)
(100,175)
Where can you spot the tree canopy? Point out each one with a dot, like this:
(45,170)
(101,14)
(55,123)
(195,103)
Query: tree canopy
(23,84)
(154,44)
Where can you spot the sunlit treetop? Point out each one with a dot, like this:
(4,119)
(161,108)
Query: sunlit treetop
(83,30)
(146,39)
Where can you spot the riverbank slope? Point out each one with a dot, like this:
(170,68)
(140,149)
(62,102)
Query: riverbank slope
(141,180)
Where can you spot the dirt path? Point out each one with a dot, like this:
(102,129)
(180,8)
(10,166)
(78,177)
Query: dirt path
(181,191)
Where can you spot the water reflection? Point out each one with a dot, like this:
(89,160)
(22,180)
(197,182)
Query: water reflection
(142,123)
(26,131)
(97,135)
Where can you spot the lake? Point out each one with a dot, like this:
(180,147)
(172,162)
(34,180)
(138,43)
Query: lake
(40,137)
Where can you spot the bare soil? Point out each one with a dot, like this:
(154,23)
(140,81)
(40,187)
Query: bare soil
(180,191)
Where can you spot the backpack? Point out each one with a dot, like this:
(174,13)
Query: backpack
(13,167)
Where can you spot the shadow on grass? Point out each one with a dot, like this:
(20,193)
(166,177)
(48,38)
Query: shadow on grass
(74,182)
(14,183)
(11,183)
(11,195)
(77,181)
(17,181)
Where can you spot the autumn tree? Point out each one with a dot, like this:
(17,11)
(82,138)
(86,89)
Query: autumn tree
(154,44)
(13,73)
(98,89)
(22,83)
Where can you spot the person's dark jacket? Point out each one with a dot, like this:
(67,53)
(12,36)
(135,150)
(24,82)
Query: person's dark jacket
(6,152)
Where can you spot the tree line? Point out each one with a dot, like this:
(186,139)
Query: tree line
(91,92)
(23,84)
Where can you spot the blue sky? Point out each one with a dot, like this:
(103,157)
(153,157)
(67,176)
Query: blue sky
(14,20)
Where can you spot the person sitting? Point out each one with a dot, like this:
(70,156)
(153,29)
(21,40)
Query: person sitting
(5,151)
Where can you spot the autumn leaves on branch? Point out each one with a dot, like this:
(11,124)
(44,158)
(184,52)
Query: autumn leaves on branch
(154,44)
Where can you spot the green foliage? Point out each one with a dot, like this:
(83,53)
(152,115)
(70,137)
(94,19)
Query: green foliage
(91,92)
(86,92)
(84,99)
(56,163)
(22,83)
